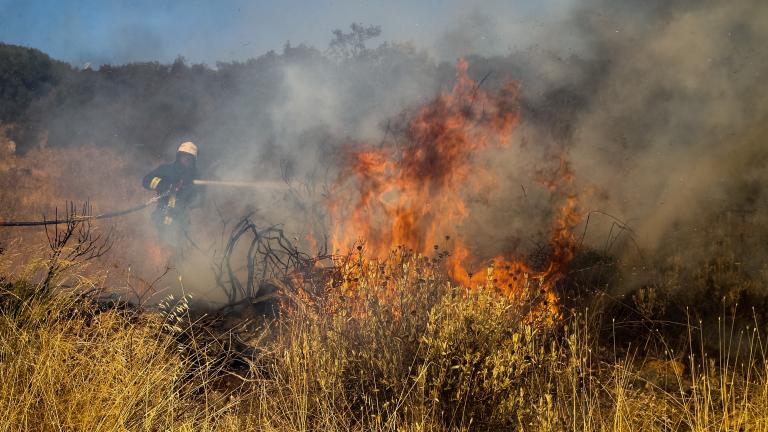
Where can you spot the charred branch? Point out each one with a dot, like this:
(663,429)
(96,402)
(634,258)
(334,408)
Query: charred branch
(74,242)
(259,261)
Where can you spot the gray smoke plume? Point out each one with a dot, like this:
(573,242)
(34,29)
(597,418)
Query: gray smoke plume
(674,131)
(660,107)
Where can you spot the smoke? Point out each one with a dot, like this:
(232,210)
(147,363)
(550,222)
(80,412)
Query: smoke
(676,116)
(659,106)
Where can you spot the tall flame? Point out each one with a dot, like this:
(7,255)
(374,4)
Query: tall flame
(410,194)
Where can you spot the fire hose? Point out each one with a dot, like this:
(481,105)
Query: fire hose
(252,185)
(81,218)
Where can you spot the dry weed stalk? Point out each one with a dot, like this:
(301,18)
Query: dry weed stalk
(393,346)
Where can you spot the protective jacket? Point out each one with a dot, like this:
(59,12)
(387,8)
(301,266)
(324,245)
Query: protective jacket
(175,179)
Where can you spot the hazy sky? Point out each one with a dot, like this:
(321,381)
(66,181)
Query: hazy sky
(118,31)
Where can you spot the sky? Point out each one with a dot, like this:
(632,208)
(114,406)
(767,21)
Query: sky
(119,31)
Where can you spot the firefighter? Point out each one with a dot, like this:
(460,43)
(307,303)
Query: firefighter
(175,182)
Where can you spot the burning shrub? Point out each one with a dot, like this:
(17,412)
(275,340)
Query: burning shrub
(414,193)
(396,343)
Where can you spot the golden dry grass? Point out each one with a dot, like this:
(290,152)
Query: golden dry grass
(421,356)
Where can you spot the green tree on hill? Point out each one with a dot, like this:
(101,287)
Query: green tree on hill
(25,75)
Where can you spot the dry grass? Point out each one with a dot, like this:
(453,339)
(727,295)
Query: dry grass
(69,364)
(44,180)
(412,354)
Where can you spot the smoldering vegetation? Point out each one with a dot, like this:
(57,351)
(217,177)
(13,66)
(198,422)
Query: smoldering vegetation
(658,109)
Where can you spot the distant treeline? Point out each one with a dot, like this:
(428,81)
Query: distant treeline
(139,104)
(144,105)
(261,102)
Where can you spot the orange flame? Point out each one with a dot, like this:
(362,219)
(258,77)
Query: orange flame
(410,195)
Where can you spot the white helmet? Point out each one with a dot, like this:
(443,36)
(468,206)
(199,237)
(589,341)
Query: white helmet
(188,147)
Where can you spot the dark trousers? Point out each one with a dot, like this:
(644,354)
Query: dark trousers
(172,227)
